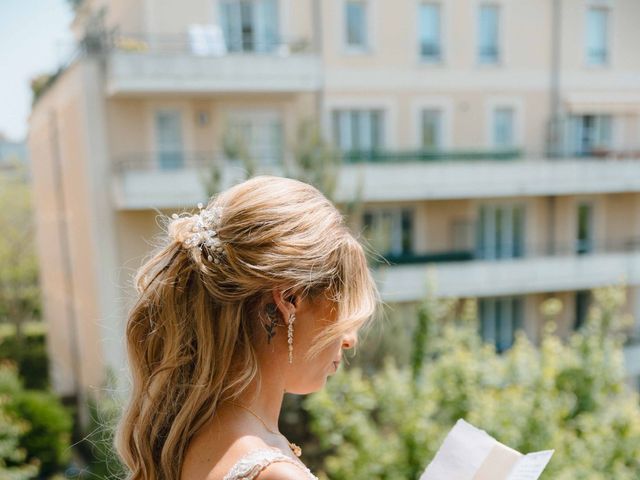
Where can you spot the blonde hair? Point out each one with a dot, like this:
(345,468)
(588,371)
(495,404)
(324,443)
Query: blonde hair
(191,335)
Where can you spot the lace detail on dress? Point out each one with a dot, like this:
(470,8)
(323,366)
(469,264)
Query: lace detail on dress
(250,465)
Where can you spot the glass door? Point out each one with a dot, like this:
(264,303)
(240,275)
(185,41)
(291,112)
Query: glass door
(168,133)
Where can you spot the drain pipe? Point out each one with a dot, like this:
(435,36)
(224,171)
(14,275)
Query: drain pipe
(555,135)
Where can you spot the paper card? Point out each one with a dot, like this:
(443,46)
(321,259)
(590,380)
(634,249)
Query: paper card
(499,463)
(530,466)
(469,453)
(462,453)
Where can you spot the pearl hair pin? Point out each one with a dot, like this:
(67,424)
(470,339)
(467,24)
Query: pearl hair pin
(205,231)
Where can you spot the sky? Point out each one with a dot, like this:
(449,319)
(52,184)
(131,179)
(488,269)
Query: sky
(34,36)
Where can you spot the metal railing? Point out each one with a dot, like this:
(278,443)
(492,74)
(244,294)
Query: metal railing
(405,156)
(203,45)
(529,250)
(173,160)
(189,159)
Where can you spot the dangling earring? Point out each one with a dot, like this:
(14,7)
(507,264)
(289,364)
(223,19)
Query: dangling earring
(292,319)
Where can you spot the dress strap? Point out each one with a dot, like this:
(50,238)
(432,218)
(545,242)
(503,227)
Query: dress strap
(252,463)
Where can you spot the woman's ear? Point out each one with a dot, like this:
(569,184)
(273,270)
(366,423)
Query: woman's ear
(286,302)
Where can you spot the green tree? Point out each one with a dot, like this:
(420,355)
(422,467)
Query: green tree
(316,161)
(19,291)
(13,464)
(570,396)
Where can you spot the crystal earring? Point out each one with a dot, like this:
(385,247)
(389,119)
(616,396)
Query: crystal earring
(292,319)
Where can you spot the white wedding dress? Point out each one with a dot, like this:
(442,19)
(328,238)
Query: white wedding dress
(252,463)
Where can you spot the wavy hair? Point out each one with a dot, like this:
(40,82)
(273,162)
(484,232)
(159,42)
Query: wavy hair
(191,334)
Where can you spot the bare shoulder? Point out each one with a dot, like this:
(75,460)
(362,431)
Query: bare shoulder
(229,456)
(282,471)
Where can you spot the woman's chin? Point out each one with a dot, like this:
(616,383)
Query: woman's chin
(307,389)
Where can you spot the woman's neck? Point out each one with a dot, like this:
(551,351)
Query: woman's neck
(264,399)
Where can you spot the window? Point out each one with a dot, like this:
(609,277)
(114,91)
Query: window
(590,135)
(168,134)
(584,234)
(500,319)
(583,301)
(431,129)
(597,36)
(261,133)
(488,34)
(356,24)
(358,130)
(390,231)
(503,127)
(250,25)
(500,231)
(430,35)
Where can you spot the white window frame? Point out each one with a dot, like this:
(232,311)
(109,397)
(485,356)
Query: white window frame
(511,116)
(598,223)
(515,103)
(501,302)
(396,246)
(284,16)
(575,131)
(184,108)
(388,107)
(506,204)
(370,23)
(501,35)
(442,36)
(606,7)
(591,227)
(180,150)
(445,105)
(265,114)
(364,120)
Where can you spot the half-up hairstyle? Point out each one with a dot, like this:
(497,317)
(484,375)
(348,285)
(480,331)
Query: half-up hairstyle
(191,335)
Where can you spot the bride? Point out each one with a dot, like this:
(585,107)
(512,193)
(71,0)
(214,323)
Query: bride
(254,296)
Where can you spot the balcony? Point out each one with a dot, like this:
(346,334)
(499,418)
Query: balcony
(184,64)
(141,182)
(458,274)
(151,180)
(414,176)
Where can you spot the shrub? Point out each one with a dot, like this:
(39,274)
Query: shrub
(31,358)
(567,396)
(44,436)
(13,464)
(48,438)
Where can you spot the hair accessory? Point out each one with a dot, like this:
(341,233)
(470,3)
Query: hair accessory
(292,319)
(204,231)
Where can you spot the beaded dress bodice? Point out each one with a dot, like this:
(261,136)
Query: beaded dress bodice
(251,464)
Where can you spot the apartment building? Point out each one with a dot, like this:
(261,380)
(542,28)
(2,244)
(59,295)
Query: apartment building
(494,143)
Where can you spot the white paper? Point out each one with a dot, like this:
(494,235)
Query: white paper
(465,449)
(461,454)
(530,466)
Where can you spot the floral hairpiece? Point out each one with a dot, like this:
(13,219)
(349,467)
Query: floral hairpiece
(204,231)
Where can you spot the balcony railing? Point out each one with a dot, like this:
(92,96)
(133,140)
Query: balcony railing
(203,43)
(175,160)
(530,250)
(187,64)
(403,156)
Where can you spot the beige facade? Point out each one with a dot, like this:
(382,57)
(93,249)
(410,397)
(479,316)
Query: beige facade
(129,128)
